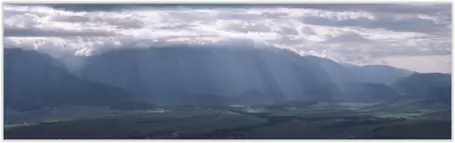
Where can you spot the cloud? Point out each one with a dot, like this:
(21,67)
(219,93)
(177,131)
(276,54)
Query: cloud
(343,32)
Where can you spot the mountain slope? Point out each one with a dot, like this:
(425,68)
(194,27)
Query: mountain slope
(194,76)
(239,74)
(185,71)
(345,73)
(34,80)
(431,86)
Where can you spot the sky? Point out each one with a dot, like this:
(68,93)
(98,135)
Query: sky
(411,36)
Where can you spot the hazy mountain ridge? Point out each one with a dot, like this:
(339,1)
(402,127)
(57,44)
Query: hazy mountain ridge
(342,73)
(234,73)
(432,86)
(200,76)
(34,80)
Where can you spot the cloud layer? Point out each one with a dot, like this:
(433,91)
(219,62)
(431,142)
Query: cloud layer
(358,34)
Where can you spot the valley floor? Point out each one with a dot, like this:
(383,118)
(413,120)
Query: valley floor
(319,121)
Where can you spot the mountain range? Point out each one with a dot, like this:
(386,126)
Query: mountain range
(204,76)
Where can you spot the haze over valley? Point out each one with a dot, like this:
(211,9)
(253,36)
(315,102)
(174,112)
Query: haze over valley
(239,71)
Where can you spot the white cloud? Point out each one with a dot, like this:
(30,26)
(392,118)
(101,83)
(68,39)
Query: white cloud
(424,64)
(340,32)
